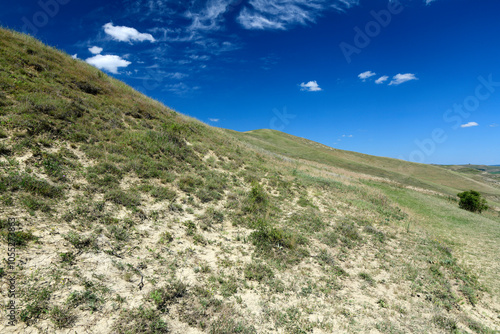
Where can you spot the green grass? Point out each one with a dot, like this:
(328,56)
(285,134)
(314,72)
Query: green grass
(473,236)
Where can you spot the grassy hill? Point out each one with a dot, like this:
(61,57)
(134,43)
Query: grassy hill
(120,215)
(412,174)
(486,174)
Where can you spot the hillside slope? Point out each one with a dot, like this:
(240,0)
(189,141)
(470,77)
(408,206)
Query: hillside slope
(119,215)
(420,175)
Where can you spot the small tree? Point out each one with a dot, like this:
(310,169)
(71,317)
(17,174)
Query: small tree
(472,201)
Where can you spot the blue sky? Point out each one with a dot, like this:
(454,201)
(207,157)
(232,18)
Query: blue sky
(417,80)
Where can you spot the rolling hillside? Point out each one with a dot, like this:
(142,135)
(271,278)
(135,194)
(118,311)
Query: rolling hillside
(419,175)
(120,215)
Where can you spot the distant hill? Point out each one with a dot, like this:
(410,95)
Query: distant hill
(419,175)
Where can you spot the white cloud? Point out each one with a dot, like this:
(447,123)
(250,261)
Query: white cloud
(400,78)
(427,2)
(215,120)
(468,125)
(283,14)
(95,50)
(382,79)
(126,34)
(75,56)
(365,75)
(311,86)
(109,63)
(494,125)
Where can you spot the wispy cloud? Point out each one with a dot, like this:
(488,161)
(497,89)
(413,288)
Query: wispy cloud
(177,75)
(311,86)
(95,50)
(427,2)
(109,63)
(382,79)
(215,120)
(126,34)
(210,17)
(180,88)
(398,79)
(284,14)
(468,125)
(365,75)
(494,125)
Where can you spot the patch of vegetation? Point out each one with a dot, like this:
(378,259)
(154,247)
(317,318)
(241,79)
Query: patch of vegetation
(54,166)
(472,201)
(201,308)
(330,238)
(227,286)
(378,235)
(88,299)
(61,317)
(257,201)
(34,204)
(68,258)
(258,272)
(368,278)
(121,197)
(81,242)
(166,238)
(477,327)
(446,323)
(4,150)
(163,193)
(325,258)
(167,295)
(226,324)
(18,238)
(15,181)
(303,202)
(213,188)
(308,221)
(190,227)
(349,234)
(211,217)
(36,306)
(140,320)
(268,237)
(190,184)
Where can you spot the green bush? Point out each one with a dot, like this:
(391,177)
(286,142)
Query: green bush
(472,201)
(267,237)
